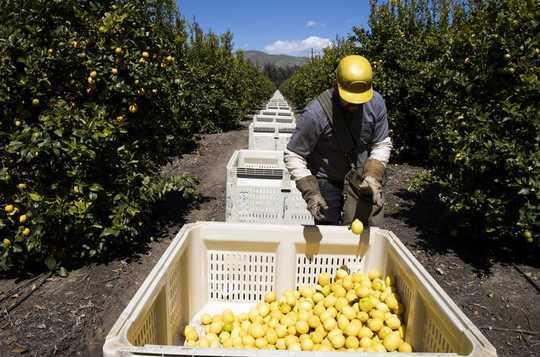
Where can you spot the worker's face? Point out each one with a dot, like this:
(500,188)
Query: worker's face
(349,106)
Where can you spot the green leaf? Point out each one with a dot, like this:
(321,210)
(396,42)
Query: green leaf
(35,196)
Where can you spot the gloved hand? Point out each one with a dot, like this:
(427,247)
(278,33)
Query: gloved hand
(309,187)
(371,186)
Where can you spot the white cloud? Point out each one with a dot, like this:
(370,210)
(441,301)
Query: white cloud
(312,23)
(298,47)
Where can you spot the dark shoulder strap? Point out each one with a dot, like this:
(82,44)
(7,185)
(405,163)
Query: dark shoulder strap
(337,122)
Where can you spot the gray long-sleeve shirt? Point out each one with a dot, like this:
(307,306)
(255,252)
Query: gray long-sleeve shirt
(315,141)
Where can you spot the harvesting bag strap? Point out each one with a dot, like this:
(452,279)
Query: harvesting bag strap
(336,118)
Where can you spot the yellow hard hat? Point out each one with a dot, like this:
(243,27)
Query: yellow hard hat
(354,76)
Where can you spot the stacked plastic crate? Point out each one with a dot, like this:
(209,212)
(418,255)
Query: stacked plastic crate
(259,188)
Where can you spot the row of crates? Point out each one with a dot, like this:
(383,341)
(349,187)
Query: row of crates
(273,126)
(259,187)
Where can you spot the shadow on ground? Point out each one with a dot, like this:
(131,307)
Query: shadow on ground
(423,211)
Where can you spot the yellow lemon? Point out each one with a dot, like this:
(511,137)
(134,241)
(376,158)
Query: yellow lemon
(263,309)
(295,347)
(374,274)
(216,327)
(329,324)
(302,327)
(357,227)
(270,297)
(280,344)
(323,279)
(341,274)
(352,342)
(347,282)
(291,330)
(337,341)
(261,343)
(248,341)
(9,208)
(393,322)
(291,340)
(384,331)
(375,324)
(317,297)
(114,71)
(307,344)
(353,329)
(257,330)
(281,331)
(377,314)
(362,316)
(391,342)
(271,336)
(330,300)
(349,312)
(405,347)
(342,322)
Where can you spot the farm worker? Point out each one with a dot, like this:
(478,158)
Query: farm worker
(339,150)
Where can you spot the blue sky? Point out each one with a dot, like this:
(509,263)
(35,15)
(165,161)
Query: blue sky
(285,27)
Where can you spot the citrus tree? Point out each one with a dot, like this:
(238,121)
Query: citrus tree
(461,86)
(94,98)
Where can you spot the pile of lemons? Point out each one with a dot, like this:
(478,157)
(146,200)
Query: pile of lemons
(355,313)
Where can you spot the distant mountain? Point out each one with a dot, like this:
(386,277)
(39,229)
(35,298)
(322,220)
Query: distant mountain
(261,58)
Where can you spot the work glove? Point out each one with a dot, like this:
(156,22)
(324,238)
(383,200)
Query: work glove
(309,187)
(371,186)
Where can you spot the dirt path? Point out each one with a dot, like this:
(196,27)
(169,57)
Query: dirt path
(71,317)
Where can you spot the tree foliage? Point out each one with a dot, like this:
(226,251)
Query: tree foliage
(278,74)
(460,79)
(95,96)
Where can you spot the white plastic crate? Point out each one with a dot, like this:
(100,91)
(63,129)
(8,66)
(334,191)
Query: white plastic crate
(259,190)
(212,266)
(275,106)
(269,136)
(269,119)
(276,112)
